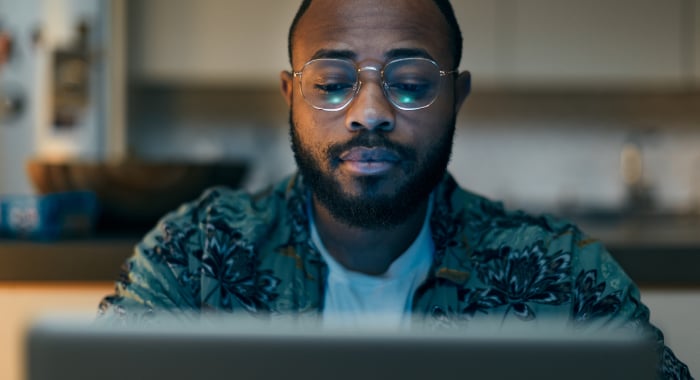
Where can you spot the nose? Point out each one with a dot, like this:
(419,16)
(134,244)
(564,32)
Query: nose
(370,109)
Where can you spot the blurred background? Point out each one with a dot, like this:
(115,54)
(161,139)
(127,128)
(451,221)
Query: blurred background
(113,111)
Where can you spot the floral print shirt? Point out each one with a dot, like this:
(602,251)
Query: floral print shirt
(239,253)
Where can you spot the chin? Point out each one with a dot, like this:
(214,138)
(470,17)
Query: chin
(371,186)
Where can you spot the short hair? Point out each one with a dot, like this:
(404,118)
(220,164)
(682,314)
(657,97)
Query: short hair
(444,6)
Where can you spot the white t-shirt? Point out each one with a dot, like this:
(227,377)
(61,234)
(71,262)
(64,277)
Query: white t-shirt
(354,299)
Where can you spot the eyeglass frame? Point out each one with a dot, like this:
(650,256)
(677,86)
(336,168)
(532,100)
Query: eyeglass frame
(384,85)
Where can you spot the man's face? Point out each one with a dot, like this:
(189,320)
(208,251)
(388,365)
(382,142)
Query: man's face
(370,164)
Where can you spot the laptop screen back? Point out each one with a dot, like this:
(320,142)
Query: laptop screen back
(68,349)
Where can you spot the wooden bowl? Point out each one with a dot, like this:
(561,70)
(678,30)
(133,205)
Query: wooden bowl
(134,194)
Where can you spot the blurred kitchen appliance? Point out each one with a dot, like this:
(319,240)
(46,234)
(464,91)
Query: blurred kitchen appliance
(62,86)
(81,79)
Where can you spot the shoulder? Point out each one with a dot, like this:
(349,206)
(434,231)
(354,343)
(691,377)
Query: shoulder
(228,209)
(542,236)
(486,229)
(487,223)
(202,243)
(221,217)
(530,259)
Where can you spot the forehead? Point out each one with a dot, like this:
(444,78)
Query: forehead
(371,28)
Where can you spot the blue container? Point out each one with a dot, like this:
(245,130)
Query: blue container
(48,217)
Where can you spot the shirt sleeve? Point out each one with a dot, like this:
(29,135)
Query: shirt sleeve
(161,278)
(603,295)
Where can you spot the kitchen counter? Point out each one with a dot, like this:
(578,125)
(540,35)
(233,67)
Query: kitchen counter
(662,251)
(654,252)
(663,230)
(78,260)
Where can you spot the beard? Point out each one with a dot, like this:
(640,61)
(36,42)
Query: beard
(371,210)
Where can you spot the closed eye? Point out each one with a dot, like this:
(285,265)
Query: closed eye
(333,87)
(409,87)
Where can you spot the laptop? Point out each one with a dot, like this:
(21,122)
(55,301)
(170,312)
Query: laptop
(73,348)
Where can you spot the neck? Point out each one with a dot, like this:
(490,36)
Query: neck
(369,251)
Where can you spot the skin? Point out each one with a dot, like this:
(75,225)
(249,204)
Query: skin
(369,30)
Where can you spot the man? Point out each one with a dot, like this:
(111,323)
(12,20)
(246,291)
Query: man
(373,228)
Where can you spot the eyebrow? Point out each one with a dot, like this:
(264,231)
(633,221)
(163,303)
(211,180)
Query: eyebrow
(330,53)
(391,54)
(407,53)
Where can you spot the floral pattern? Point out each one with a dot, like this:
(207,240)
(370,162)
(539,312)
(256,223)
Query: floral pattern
(518,278)
(590,300)
(234,252)
(229,265)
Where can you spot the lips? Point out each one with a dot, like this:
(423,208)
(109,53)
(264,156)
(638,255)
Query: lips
(365,161)
(366,154)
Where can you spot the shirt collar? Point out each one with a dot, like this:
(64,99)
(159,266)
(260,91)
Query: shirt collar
(447,225)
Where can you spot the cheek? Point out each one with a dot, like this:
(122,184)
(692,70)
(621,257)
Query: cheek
(311,134)
(318,128)
(426,127)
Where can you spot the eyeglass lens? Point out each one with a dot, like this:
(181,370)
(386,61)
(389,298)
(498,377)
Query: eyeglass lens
(330,84)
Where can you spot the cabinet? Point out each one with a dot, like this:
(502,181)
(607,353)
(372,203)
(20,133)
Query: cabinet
(585,44)
(694,41)
(483,52)
(511,44)
(209,41)
(599,43)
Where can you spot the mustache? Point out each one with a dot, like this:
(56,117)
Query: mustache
(370,140)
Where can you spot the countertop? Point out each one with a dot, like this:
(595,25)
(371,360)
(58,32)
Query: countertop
(90,259)
(647,231)
(663,251)
(653,252)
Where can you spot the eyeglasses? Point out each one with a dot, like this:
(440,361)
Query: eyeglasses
(330,84)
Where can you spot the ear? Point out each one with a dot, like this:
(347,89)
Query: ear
(287,86)
(463,86)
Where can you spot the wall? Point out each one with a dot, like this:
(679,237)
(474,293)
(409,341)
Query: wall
(543,165)
(553,153)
